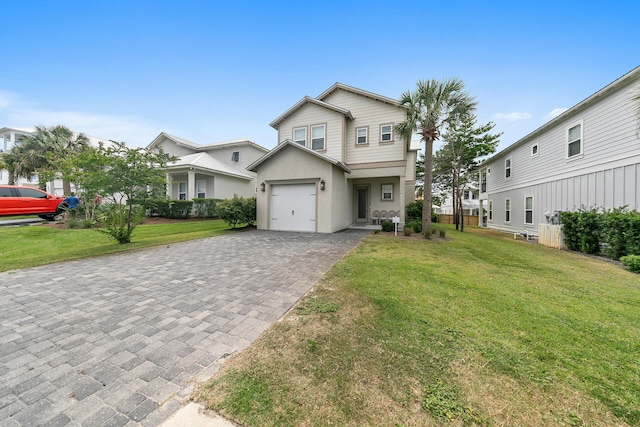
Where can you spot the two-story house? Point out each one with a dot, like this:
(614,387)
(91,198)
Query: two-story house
(338,161)
(589,157)
(215,171)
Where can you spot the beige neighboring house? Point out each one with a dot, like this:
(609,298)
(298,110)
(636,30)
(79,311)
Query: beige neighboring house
(338,162)
(216,171)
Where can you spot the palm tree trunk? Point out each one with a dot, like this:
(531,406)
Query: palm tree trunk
(428,180)
(66,187)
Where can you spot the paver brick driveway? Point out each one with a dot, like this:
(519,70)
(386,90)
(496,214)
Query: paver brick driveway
(117,340)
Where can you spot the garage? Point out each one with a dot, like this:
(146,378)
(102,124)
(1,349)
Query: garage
(293,207)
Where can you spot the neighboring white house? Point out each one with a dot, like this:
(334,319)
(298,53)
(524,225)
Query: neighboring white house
(589,156)
(338,162)
(9,137)
(215,171)
(470,202)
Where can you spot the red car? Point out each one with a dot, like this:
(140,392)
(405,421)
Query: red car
(16,200)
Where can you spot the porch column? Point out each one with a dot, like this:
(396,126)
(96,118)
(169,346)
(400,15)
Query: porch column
(168,187)
(403,206)
(191,185)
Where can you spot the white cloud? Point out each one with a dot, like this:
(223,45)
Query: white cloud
(512,117)
(130,129)
(555,113)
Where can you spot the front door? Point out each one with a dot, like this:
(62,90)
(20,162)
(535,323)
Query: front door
(362,204)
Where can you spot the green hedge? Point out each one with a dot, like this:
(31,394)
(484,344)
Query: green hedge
(205,208)
(237,211)
(614,233)
(168,208)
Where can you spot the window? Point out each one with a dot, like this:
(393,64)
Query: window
(507,210)
(386,134)
(490,210)
(182,191)
(465,194)
(361,136)
(317,137)
(300,136)
(201,189)
(387,191)
(488,171)
(534,150)
(574,141)
(235,156)
(528,210)
(507,168)
(483,182)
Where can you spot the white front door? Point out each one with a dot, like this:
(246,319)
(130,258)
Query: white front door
(293,207)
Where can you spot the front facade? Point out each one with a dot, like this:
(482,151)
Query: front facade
(338,163)
(589,157)
(216,171)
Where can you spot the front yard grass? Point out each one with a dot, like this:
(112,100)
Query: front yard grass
(31,246)
(475,330)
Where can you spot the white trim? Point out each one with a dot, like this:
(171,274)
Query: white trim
(535,150)
(390,133)
(366,136)
(525,210)
(382,193)
(297,141)
(580,154)
(324,137)
(507,201)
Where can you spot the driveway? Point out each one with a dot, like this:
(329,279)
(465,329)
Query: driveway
(120,340)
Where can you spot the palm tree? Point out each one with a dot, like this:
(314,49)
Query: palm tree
(42,152)
(431,107)
(8,162)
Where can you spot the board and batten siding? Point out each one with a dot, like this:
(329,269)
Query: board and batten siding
(606,175)
(369,113)
(311,115)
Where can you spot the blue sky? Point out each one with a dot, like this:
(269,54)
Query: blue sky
(210,71)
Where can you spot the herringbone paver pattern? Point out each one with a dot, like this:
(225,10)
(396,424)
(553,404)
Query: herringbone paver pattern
(118,340)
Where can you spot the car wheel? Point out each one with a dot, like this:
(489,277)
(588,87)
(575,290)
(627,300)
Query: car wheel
(48,217)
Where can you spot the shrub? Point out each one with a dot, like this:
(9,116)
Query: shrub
(570,230)
(237,211)
(205,208)
(416,226)
(590,228)
(413,211)
(632,262)
(387,226)
(435,217)
(118,221)
(407,230)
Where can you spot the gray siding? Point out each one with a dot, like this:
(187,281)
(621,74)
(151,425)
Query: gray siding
(606,175)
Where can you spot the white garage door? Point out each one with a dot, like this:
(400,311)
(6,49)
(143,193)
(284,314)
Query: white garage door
(293,207)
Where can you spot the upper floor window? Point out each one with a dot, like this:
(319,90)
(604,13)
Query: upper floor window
(235,156)
(483,182)
(465,195)
(361,136)
(574,141)
(528,210)
(507,168)
(317,137)
(490,210)
(386,133)
(534,150)
(300,136)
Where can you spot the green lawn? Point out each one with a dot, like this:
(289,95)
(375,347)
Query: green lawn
(476,330)
(37,245)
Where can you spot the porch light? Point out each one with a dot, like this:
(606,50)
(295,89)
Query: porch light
(322,184)
(262,186)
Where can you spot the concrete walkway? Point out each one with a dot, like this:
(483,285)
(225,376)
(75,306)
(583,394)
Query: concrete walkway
(120,340)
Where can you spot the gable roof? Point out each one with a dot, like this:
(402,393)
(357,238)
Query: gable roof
(611,87)
(208,163)
(289,143)
(374,96)
(197,147)
(308,100)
